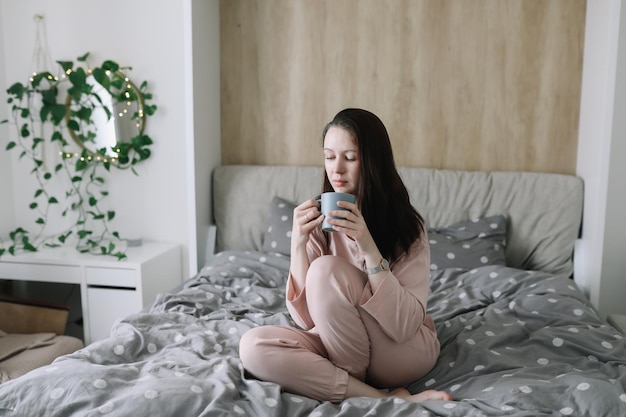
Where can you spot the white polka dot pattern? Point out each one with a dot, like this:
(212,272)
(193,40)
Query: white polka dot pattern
(277,238)
(468,244)
(537,327)
(513,342)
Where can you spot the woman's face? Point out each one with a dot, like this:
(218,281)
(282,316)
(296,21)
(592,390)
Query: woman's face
(342,160)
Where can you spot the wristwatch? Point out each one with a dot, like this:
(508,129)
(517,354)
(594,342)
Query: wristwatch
(382,266)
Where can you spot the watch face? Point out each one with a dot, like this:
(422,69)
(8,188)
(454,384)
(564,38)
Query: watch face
(383,266)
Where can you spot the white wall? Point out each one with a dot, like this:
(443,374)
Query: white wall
(7,218)
(206,152)
(613,292)
(152,38)
(600,255)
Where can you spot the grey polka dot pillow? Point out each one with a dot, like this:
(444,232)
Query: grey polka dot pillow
(469,244)
(277,237)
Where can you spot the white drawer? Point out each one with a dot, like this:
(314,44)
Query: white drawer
(106,306)
(111,277)
(40,272)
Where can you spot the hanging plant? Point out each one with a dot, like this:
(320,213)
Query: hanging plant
(94,117)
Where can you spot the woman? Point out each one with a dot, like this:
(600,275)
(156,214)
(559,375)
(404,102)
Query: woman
(358,292)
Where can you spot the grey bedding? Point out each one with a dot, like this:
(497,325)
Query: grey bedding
(514,342)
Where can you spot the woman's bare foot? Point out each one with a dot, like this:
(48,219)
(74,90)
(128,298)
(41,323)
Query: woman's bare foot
(421,396)
(358,388)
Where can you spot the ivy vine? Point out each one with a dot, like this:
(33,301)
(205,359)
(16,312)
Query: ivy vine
(60,111)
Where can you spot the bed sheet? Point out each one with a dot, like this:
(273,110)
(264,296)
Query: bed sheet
(514,342)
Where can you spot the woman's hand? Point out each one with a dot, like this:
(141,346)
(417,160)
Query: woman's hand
(353,226)
(306,217)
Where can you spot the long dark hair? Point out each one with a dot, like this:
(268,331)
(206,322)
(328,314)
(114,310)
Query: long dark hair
(383,199)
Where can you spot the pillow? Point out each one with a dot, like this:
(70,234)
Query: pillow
(278,234)
(469,244)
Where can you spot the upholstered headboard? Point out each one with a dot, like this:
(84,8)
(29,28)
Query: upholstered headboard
(544,210)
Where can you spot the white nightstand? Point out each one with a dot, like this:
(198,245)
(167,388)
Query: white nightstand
(618,321)
(110,289)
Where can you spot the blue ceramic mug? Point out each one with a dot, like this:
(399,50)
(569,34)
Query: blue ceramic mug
(328,202)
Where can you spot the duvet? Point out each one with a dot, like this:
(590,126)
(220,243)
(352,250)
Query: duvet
(514,343)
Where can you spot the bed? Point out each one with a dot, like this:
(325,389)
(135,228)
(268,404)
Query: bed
(518,337)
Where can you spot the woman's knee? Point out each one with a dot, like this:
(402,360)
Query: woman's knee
(251,349)
(329,276)
(261,350)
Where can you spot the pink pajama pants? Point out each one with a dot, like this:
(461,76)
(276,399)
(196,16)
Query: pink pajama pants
(346,341)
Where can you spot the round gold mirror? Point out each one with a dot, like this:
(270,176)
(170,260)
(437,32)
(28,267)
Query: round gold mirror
(106,113)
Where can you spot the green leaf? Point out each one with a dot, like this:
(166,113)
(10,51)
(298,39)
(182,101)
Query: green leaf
(78,78)
(84,233)
(58,167)
(24,132)
(110,215)
(66,65)
(110,66)
(33,206)
(81,165)
(73,125)
(11,145)
(44,112)
(40,221)
(150,109)
(58,113)
(84,113)
(29,247)
(76,178)
(83,58)
(52,200)
(47,176)
(38,193)
(36,141)
(17,90)
(92,201)
(56,136)
(102,78)
(49,97)
(75,92)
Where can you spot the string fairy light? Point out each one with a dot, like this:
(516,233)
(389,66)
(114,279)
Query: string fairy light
(88,158)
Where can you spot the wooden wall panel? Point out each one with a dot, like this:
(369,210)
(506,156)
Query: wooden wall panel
(472,84)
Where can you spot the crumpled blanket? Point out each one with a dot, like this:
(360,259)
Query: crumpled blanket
(20,353)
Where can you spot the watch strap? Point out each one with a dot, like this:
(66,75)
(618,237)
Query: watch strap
(382,266)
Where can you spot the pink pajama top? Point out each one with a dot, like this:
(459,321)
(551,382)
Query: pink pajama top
(399,304)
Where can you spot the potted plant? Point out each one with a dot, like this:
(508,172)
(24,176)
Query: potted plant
(71,113)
